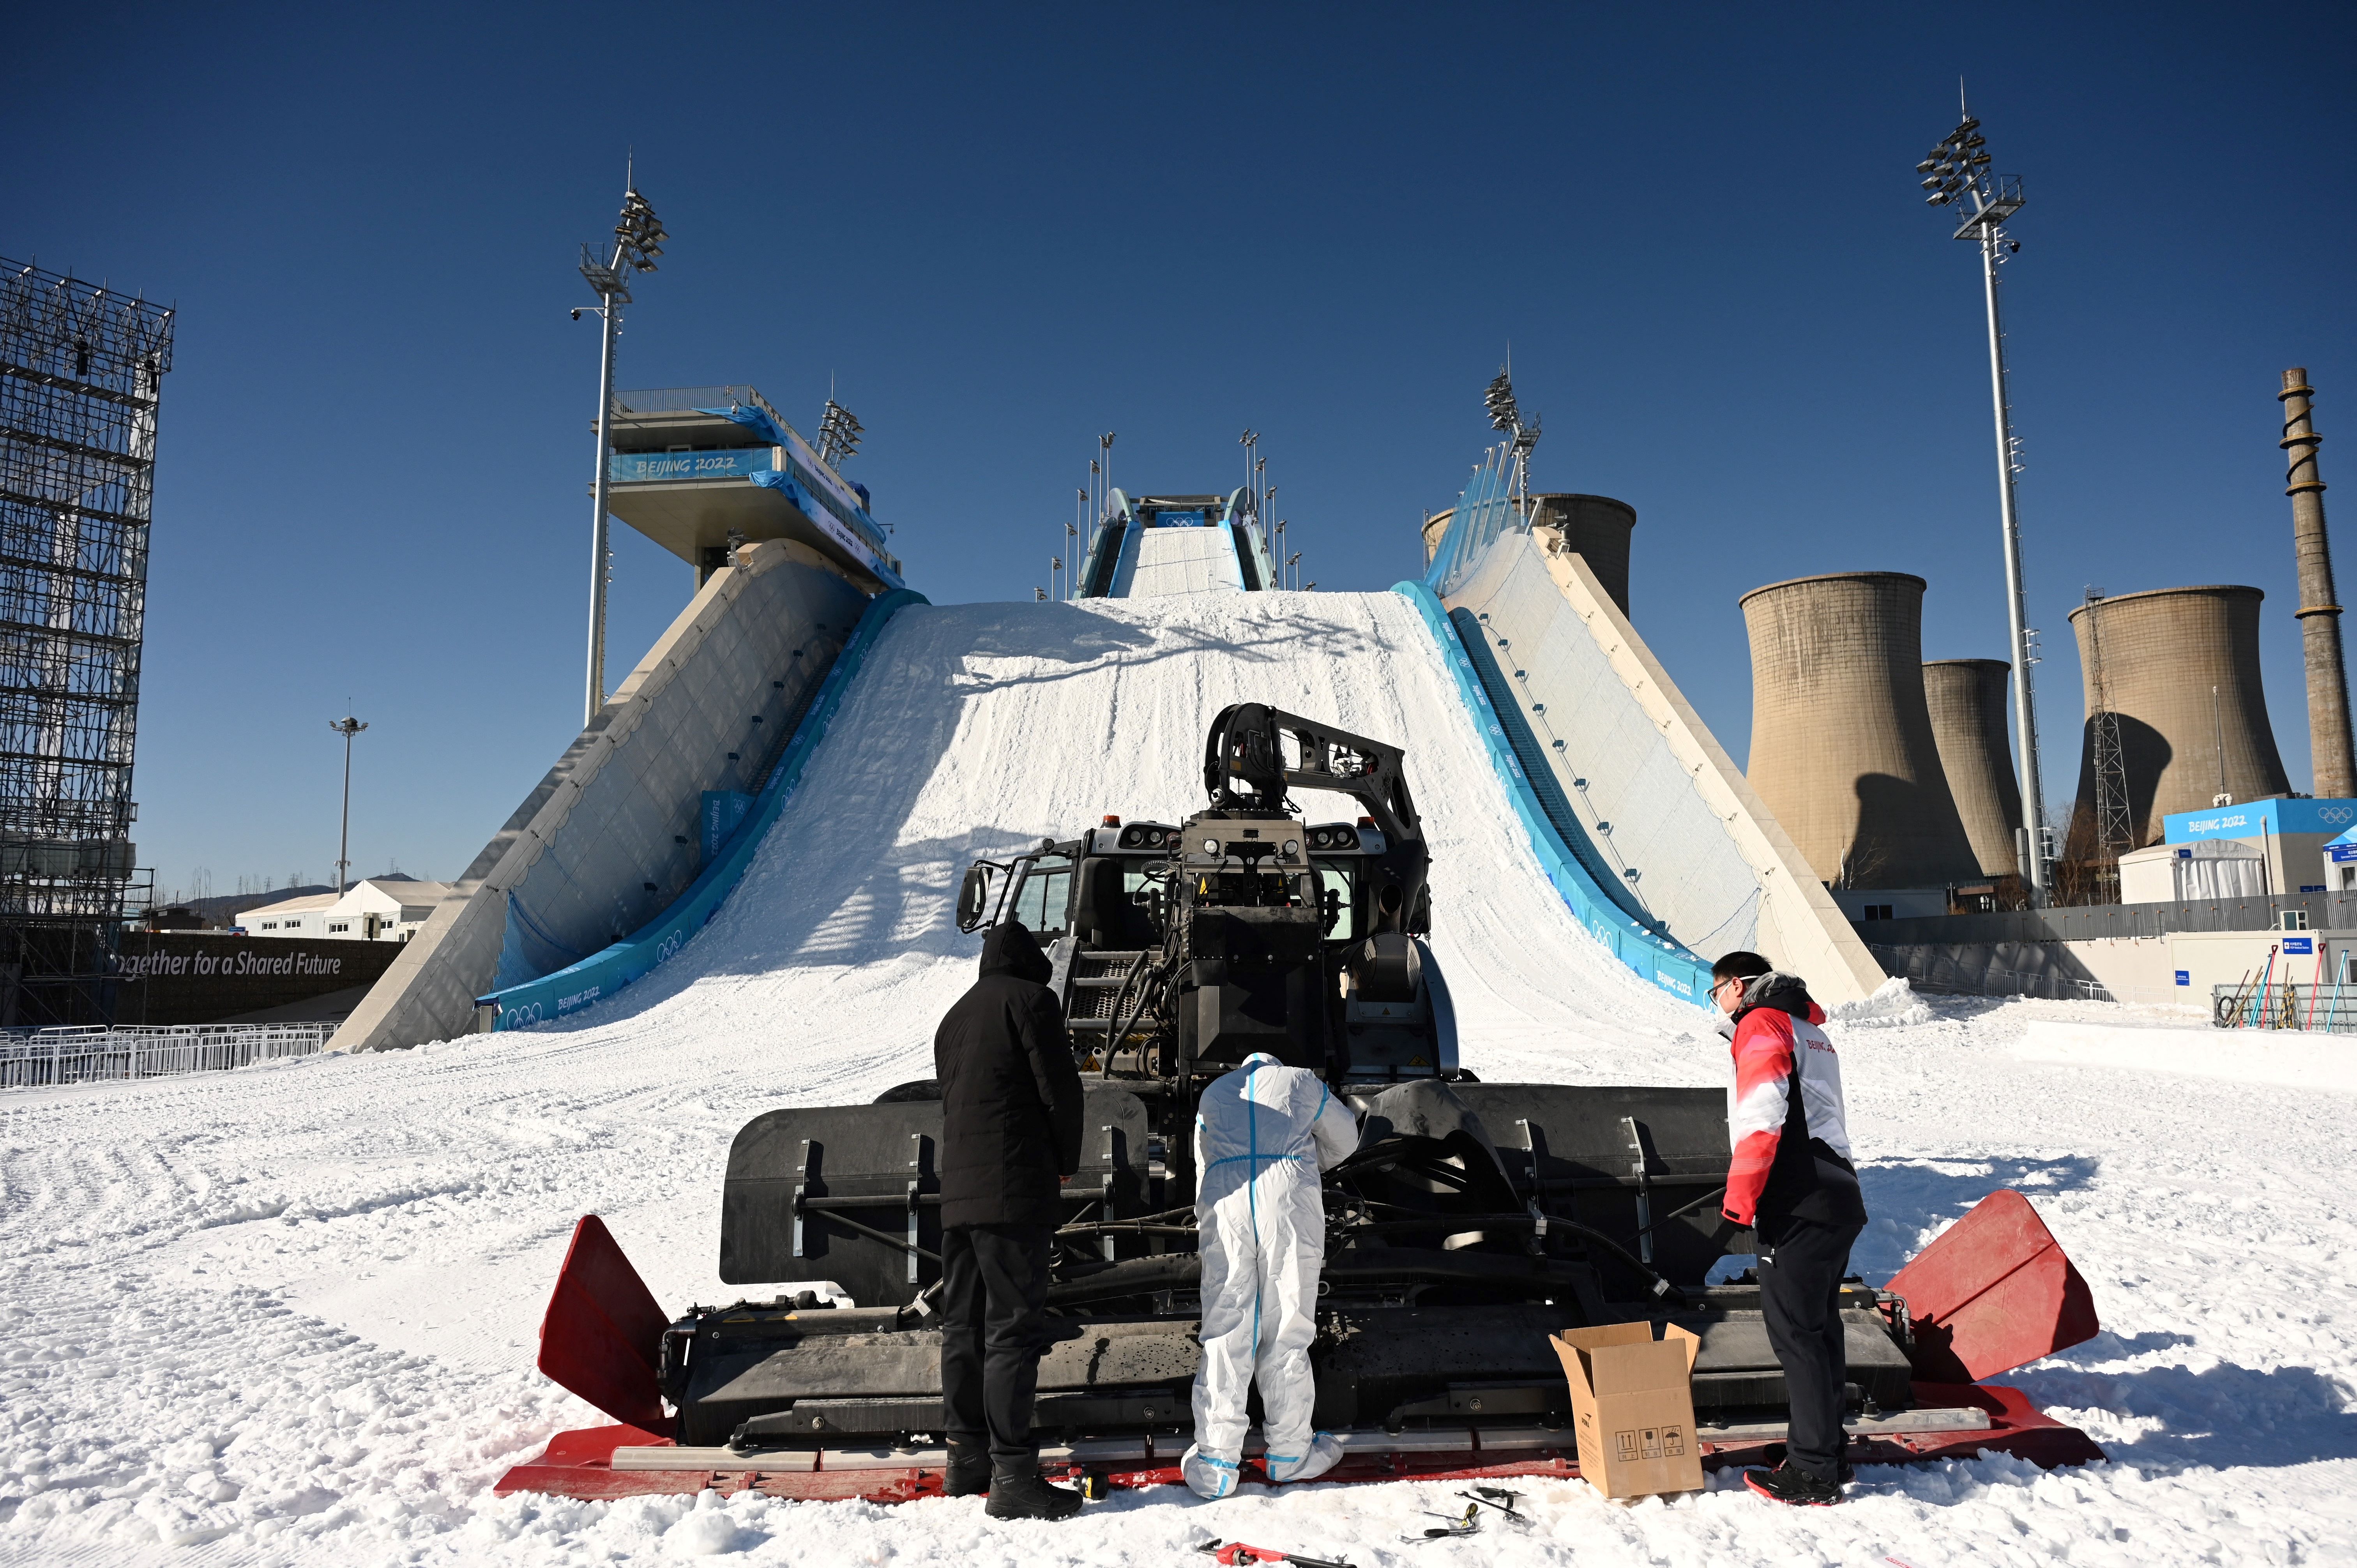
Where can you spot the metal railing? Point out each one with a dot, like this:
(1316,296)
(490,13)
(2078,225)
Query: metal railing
(680,400)
(31,1058)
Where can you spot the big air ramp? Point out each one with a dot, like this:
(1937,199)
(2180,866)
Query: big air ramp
(978,729)
(610,840)
(1649,786)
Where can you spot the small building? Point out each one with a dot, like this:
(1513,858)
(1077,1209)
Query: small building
(2341,862)
(380,909)
(2288,835)
(2191,873)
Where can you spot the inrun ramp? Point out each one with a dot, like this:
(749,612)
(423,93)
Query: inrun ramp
(979,729)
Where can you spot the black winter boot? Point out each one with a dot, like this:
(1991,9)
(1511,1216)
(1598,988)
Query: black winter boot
(1775,1453)
(1017,1492)
(968,1474)
(1786,1484)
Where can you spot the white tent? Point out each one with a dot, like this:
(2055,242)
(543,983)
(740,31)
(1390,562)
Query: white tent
(2191,872)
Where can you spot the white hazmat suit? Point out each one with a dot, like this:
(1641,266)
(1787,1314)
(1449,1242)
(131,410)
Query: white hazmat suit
(1263,1134)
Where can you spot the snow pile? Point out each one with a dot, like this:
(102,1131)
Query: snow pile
(1893,1005)
(286,1315)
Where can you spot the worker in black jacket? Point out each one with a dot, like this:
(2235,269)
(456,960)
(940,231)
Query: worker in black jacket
(1010,1135)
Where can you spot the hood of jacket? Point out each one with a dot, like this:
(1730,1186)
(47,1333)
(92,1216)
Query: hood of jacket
(1009,948)
(1785,992)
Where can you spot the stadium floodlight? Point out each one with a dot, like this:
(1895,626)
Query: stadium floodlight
(1957,171)
(638,241)
(346,726)
(838,435)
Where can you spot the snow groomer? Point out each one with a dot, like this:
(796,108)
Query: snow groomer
(1010,1133)
(1792,1183)
(1264,1134)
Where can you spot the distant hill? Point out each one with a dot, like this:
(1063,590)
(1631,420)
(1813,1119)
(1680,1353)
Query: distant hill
(224,909)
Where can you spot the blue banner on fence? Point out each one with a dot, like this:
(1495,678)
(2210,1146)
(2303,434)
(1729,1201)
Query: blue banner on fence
(723,809)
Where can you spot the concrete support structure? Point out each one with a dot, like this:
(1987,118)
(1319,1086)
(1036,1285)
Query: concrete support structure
(1647,781)
(609,836)
(1967,701)
(2181,666)
(1594,528)
(1842,749)
(2319,611)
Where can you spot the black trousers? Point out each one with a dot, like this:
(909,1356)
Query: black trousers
(1799,1282)
(993,1296)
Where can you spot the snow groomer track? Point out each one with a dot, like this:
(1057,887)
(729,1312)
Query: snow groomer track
(286,1314)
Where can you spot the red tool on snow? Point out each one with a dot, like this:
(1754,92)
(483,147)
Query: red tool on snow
(1235,1552)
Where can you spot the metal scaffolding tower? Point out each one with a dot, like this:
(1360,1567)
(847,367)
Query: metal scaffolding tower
(2113,833)
(81,367)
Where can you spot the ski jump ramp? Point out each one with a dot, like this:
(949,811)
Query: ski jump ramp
(937,733)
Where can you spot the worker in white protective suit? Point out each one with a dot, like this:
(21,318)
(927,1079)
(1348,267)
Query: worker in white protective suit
(1263,1134)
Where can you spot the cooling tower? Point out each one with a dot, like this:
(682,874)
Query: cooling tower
(1595,528)
(1841,735)
(2164,654)
(1966,697)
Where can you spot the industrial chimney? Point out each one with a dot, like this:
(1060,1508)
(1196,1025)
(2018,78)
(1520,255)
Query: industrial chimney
(2179,672)
(1842,749)
(2320,615)
(1966,697)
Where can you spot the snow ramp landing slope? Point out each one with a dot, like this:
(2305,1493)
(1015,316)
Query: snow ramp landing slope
(980,729)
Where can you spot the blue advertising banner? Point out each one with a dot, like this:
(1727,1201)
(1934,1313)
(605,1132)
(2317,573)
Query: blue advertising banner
(1178,520)
(723,809)
(656,467)
(2304,947)
(2259,819)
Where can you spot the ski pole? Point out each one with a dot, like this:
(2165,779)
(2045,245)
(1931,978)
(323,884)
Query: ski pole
(2260,1007)
(2317,984)
(2337,979)
(1236,1553)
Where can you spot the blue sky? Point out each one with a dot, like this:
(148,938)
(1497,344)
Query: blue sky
(1003,230)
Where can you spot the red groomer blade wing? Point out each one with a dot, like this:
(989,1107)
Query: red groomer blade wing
(603,1331)
(1992,1294)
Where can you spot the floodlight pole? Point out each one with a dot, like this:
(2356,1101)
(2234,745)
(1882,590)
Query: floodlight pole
(2025,707)
(1956,169)
(638,241)
(612,312)
(346,726)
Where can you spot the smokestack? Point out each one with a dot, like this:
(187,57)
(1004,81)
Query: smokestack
(1966,697)
(2335,774)
(1841,736)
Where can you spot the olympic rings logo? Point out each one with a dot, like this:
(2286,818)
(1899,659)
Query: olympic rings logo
(516,1016)
(2336,813)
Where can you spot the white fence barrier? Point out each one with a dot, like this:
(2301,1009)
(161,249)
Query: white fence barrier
(31,1058)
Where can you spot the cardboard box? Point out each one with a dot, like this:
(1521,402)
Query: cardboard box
(1632,1404)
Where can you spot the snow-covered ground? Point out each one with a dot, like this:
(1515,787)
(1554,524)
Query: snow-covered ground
(286,1314)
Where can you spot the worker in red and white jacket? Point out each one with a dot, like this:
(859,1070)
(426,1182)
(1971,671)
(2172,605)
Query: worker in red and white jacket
(1792,1183)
